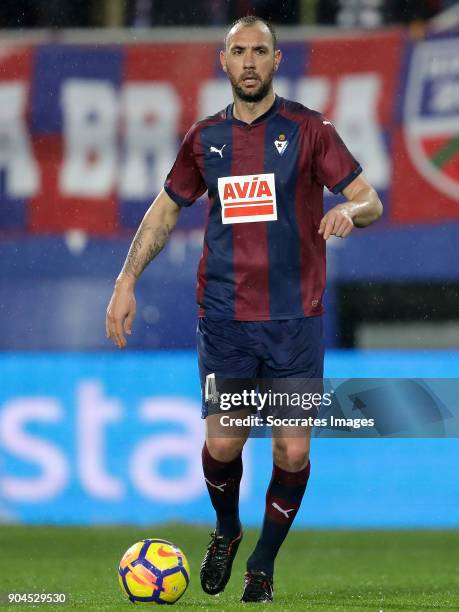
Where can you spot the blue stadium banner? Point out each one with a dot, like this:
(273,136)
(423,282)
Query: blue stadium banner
(97,438)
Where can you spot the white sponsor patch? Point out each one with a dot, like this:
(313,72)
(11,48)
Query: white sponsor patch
(248,198)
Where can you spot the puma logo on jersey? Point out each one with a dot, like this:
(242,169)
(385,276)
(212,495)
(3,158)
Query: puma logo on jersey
(219,151)
(284,512)
(220,487)
(327,122)
(248,198)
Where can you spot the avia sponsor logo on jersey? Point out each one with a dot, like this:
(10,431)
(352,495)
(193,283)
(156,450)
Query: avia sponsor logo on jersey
(248,198)
(432,113)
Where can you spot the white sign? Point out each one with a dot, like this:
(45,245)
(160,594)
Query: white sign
(249,198)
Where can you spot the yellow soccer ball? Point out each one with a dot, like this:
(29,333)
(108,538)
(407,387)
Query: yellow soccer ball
(154,571)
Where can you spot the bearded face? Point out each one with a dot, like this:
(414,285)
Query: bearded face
(251,86)
(250,61)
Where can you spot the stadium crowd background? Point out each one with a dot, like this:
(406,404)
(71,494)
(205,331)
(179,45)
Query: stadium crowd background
(147,13)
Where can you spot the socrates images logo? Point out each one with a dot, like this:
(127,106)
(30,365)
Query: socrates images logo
(248,198)
(432,113)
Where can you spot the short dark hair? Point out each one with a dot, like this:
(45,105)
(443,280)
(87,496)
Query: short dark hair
(250,20)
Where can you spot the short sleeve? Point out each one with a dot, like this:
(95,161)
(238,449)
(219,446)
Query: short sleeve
(184,183)
(334,166)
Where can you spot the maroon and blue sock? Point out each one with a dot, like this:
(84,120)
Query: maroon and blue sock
(223,480)
(283,500)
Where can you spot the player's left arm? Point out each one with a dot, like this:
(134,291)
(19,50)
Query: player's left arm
(362,208)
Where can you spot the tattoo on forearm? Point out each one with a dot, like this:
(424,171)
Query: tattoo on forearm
(147,243)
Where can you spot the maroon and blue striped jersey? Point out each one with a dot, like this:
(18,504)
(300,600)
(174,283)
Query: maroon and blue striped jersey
(262,257)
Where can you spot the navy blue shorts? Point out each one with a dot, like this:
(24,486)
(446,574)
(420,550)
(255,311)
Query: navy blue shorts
(290,348)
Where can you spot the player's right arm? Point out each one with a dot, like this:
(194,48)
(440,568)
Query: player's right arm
(149,240)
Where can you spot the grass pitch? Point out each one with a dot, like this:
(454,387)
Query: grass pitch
(315,570)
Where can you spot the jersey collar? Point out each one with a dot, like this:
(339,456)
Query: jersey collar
(272,110)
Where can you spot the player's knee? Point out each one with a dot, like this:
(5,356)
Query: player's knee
(224,449)
(290,457)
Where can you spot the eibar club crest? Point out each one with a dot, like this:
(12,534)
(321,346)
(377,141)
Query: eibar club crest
(281,143)
(432,113)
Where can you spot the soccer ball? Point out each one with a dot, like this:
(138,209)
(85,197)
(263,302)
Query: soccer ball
(154,571)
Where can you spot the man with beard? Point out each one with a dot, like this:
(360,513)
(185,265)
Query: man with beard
(264,161)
